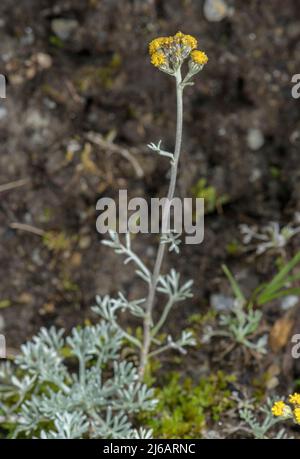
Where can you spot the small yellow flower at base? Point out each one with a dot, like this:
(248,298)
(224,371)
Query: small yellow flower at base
(297,414)
(279,408)
(158,59)
(199,57)
(294,399)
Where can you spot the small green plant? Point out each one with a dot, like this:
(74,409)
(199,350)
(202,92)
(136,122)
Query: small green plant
(260,428)
(74,387)
(241,323)
(184,408)
(281,285)
(271,237)
(213,200)
(58,241)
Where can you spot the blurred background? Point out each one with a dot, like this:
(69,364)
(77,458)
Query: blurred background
(83,101)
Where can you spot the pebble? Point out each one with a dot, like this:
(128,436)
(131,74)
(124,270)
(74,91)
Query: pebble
(28,38)
(221,302)
(35,120)
(64,28)
(255,175)
(43,60)
(216,10)
(255,139)
(49,103)
(289,302)
(85,242)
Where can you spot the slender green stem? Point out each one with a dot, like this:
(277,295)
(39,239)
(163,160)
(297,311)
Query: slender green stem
(161,249)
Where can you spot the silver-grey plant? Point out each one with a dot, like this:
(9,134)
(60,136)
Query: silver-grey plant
(78,387)
(168,54)
(73,387)
(259,425)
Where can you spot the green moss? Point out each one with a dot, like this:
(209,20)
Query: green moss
(202,319)
(58,241)
(95,76)
(5,304)
(275,172)
(56,41)
(233,248)
(212,199)
(184,408)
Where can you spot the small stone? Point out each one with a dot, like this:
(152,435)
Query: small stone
(28,37)
(49,103)
(221,302)
(43,60)
(255,175)
(85,242)
(289,302)
(25,298)
(255,139)
(64,28)
(76,260)
(215,10)
(47,308)
(35,120)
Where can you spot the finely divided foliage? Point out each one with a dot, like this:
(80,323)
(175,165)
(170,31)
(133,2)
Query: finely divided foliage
(73,387)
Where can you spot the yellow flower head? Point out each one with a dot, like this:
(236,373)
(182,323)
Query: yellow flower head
(158,59)
(295,399)
(157,44)
(199,57)
(186,40)
(174,49)
(297,414)
(279,408)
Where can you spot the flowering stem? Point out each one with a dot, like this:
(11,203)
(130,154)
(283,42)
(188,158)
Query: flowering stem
(161,249)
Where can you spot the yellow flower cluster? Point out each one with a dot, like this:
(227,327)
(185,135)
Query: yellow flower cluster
(159,43)
(185,40)
(199,57)
(278,408)
(297,414)
(170,52)
(158,59)
(282,409)
(294,399)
